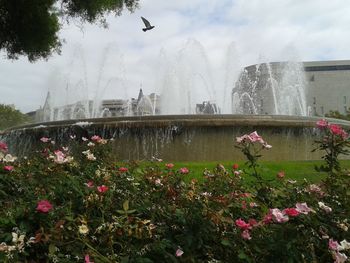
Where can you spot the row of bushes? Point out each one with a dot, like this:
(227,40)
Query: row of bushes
(74,204)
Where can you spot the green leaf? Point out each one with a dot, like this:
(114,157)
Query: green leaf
(121,212)
(138,171)
(226,243)
(242,255)
(52,249)
(126,205)
(69,218)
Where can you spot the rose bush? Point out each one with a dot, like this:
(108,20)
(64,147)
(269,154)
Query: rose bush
(75,204)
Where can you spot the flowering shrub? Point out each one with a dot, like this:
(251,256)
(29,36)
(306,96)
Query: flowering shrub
(247,144)
(334,141)
(62,205)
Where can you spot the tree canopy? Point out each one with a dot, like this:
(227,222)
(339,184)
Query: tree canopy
(10,117)
(31,27)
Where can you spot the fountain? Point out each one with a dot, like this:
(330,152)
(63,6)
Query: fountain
(72,93)
(280,86)
(195,118)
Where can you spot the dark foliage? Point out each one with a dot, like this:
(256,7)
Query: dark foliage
(31,27)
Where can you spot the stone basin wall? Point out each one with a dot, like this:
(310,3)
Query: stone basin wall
(181,137)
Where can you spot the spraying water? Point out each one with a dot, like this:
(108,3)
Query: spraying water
(185,83)
(271,88)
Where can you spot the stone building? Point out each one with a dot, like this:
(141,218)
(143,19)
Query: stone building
(143,105)
(290,88)
(328,84)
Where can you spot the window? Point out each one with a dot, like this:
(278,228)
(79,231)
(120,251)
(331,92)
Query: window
(345,110)
(312,78)
(322,111)
(344,99)
(314,98)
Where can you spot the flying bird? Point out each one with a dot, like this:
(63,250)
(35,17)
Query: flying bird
(147,24)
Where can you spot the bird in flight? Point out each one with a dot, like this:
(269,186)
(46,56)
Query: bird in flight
(147,24)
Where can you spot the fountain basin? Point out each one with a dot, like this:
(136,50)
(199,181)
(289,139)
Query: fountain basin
(180,137)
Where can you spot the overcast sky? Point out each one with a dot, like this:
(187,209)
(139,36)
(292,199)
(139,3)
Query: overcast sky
(259,30)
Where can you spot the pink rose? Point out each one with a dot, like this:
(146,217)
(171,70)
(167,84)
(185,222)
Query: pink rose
(242,224)
(255,137)
(169,165)
(90,184)
(339,257)
(279,216)
(246,235)
(322,124)
(123,169)
(44,139)
(96,138)
(252,222)
(333,244)
(291,212)
(242,138)
(335,129)
(314,188)
(87,259)
(267,218)
(179,252)
(8,168)
(235,166)
(44,206)
(102,188)
(158,182)
(281,174)
(184,170)
(3,147)
(237,172)
(303,208)
(60,157)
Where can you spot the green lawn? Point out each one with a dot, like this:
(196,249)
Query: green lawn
(295,170)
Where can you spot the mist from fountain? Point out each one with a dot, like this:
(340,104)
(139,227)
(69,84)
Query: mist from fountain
(281,85)
(186,79)
(77,93)
(185,83)
(292,97)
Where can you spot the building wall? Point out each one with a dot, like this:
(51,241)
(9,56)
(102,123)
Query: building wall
(327,85)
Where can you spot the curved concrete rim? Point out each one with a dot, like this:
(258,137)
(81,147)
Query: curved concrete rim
(188,120)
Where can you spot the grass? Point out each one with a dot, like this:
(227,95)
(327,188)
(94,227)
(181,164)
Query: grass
(294,170)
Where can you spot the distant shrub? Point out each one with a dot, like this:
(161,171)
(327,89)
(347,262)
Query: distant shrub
(10,117)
